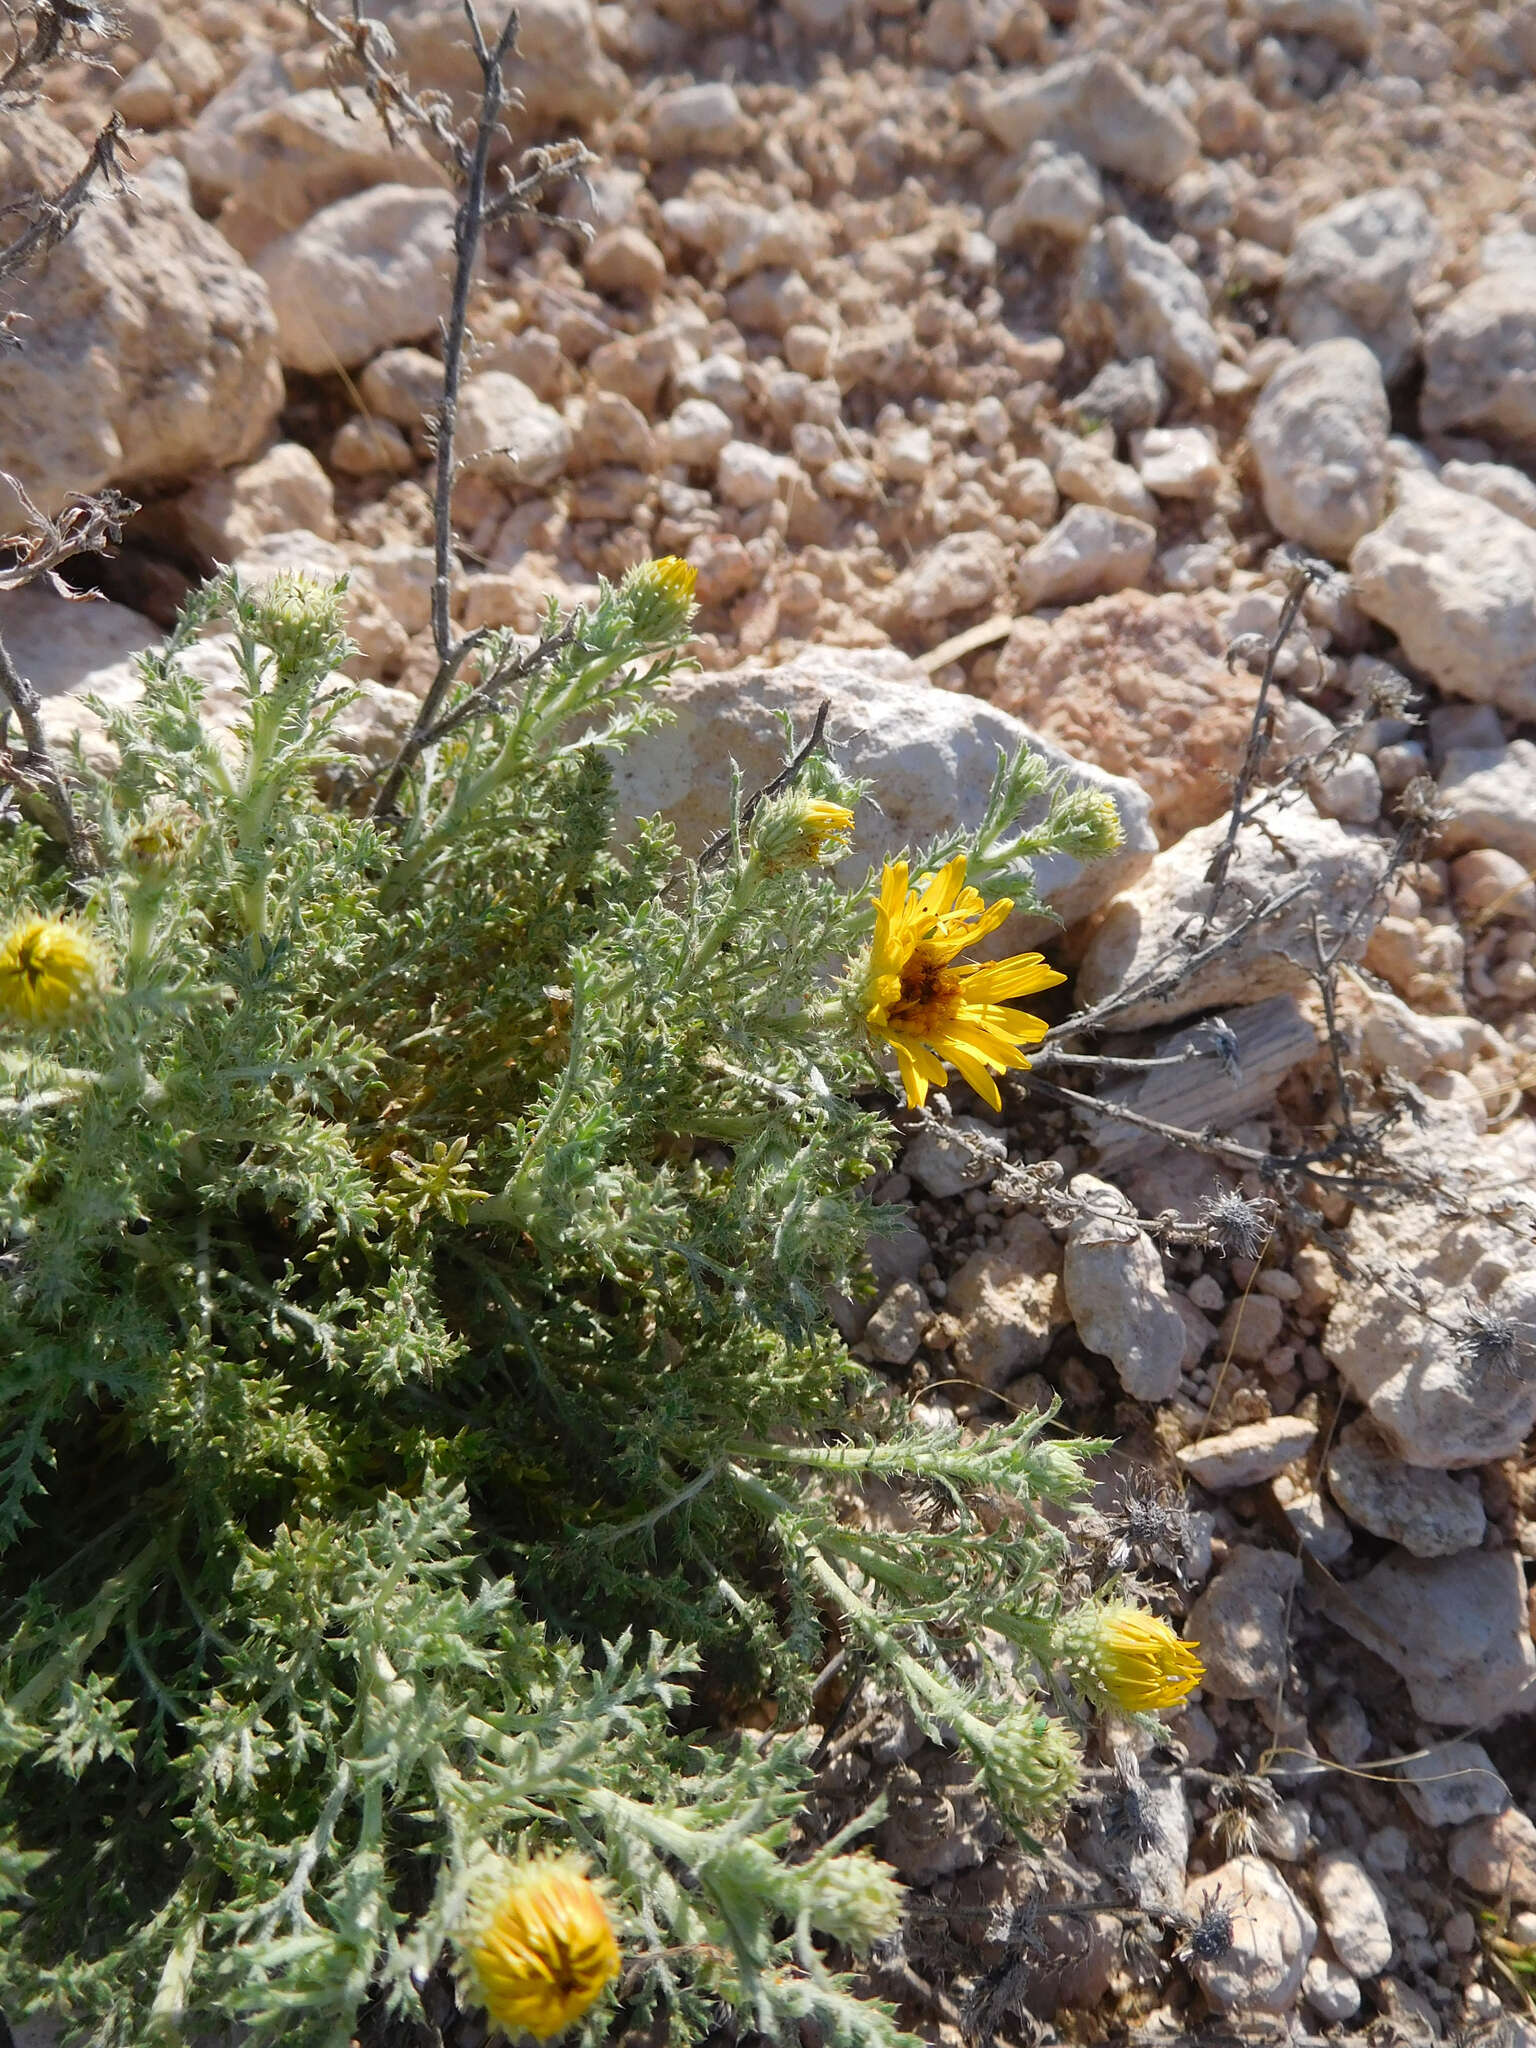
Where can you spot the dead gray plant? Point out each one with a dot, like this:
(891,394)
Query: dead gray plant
(364,52)
(41,34)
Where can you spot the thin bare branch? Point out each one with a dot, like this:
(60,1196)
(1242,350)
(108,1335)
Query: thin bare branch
(58,26)
(363,48)
(1170,974)
(37,769)
(488,693)
(51,216)
(468,230)
(1253,754)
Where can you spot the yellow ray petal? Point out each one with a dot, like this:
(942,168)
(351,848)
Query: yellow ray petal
(914,1083)
(972,1037)
(973,1071)
(1020,1026)
(1023,974)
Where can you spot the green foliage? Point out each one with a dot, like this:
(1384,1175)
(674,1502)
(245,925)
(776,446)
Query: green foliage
(412,1315)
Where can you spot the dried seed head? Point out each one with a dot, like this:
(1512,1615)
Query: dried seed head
(1388,693)
(1149,1524)
(1489,1342)
(1420,805)
(1209,1938)
(1129,1816)
(1240,1228)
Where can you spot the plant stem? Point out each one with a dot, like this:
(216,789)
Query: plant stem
(27,705)
(468,227)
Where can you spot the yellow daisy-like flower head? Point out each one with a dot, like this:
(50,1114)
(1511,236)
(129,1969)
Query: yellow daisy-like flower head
(1122,1656)
(541,1950)
(659,596)
(49,967)
(795,831)
(928,1008)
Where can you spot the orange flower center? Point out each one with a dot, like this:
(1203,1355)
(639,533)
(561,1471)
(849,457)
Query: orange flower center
(930,991)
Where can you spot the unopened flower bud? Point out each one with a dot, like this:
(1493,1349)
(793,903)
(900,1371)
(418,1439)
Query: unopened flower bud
(793,831)
(658,597)
(1030,1766)
(300,618)
(1086,824)
(155,846)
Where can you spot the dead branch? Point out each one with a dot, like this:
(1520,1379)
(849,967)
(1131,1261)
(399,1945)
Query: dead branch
(1258,740)
(1161,978)
(786,778)
(363,48)
(58,26)
(52,215)
(37,769)
(86,526)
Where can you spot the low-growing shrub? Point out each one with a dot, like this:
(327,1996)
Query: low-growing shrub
(422,1429)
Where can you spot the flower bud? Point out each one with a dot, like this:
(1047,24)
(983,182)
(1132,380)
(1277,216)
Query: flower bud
(1086,823)
(1030,1768)
(300,618)
(658,597)
(1120,1655)
(854,1899)
(538,1948)
(792,831)
(155,846)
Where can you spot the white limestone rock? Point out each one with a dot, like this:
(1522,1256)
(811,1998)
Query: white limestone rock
(1096,105)
(360,276)
(1353,271)
(1117,1295)
(1455,579)
(1319,439)
(929,753)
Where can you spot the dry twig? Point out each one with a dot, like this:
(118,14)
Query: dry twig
(367,46)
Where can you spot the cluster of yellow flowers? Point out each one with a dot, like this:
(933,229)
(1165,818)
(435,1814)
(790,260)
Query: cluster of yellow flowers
(538,1949)
(537,1946)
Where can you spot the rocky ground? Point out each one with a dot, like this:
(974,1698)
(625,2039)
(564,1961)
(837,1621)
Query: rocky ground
(987,357)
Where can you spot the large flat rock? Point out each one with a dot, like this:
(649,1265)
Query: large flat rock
(929,754)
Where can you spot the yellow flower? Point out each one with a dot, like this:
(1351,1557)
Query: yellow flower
(660,596)
(1124,1657)
(542,1950)
(48,965)
(824,821)
(929,1010)
(792,832)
